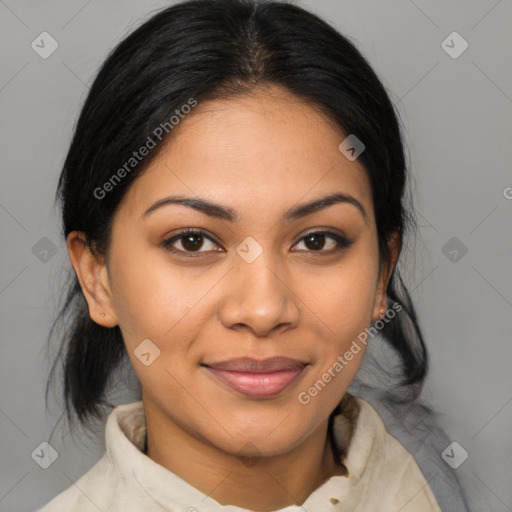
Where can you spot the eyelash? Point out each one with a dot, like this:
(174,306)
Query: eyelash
(342,242)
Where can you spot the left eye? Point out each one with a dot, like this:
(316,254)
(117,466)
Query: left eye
(316,240)
(193,240)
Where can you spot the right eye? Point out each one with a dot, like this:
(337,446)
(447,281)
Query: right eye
(191,240)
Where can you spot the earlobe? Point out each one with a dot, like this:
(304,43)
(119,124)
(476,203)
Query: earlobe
(380,307)
(92,275)
(386,271)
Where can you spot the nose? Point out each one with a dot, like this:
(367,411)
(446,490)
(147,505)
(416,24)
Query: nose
(259,298)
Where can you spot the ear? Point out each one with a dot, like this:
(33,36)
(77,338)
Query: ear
(92,274)
(386,269)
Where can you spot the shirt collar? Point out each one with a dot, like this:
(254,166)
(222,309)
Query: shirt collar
(357,432)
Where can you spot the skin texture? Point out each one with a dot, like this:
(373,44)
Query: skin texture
(258,154)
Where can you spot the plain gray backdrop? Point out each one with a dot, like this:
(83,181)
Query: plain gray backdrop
(456,108)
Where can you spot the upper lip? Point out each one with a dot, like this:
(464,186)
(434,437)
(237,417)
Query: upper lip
(250,365)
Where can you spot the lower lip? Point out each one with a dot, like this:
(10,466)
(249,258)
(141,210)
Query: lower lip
(259,385)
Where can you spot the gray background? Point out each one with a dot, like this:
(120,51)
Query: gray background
(457,115)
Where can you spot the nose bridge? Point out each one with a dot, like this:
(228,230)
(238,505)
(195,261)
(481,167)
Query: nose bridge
(259,298)
(258,268)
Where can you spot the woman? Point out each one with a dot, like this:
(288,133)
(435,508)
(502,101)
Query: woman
(232,203)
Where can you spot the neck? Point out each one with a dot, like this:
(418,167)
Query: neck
(263,484)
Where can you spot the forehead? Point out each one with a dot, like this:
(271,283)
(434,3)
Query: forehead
(268,149)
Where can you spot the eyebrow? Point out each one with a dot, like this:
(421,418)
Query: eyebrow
(223,212)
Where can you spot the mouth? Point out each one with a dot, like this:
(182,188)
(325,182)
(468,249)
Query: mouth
(257,378)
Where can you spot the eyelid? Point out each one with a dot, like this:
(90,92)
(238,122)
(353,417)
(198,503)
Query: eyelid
(323,230)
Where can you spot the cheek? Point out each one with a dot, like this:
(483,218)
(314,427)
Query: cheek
(149,297)
(343,297)
(342,310)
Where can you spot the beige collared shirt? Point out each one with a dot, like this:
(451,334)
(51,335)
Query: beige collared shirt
(382,476)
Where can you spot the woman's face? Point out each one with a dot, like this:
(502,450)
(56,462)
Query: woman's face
(254,283)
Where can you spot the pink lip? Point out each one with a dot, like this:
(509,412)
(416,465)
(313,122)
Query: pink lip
(257,378)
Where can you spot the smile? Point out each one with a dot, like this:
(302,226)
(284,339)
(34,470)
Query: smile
(257,379)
